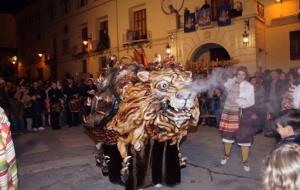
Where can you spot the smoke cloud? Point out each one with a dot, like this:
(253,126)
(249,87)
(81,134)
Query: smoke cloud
(216,78)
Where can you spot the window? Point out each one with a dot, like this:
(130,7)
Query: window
(22,36)
(66,46)
(38,36)
(104,41)
(28,73)
(38,16)
(53,71)
(140,24)
(66,5)
(295,45)
(81,3)
(54,48)
(40,73)
(84,36)
(84,66)
(103,27)
(52,11)
(84,33)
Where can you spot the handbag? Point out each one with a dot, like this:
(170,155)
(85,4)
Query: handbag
(74,105)
(56,107)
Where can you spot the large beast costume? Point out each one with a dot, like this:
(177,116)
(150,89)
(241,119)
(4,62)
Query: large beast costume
(8,166)
(141,144)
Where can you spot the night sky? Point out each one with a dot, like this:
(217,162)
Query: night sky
(11,6)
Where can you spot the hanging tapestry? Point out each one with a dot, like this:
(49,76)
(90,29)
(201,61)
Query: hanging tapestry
(189,21)
(204,15)
(224,18)
(237,8)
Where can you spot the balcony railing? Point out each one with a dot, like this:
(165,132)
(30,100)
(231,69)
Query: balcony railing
(131,38)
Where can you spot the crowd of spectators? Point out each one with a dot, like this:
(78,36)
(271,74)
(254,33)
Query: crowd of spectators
(35,105)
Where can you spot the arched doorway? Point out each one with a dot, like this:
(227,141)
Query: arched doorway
(210,52)
(208,56)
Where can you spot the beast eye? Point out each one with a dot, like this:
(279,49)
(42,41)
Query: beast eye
(162,85)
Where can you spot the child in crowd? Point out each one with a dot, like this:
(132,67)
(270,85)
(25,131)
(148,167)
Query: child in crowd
(287,124)
(283,168)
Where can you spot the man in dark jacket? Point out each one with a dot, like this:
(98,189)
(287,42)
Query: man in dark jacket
(38,98)
(71,92)
(55,96)
(287,124)
(274,93)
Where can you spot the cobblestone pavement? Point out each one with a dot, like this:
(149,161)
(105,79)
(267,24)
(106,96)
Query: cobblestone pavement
(64,160)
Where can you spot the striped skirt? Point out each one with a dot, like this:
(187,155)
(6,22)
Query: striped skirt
(229,119)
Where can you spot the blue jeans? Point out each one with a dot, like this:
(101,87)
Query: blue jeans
(18,123)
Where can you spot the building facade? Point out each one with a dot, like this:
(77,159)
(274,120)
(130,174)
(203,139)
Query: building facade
(8,50)
(60,37)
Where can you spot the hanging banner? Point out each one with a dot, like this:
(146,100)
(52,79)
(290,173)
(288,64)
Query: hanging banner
(237,8)
(203,16)
(224,18)
(189,21)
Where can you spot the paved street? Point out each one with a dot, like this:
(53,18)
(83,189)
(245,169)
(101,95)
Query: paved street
(64,160)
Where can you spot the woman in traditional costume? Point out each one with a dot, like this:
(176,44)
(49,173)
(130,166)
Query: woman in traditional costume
(236,123)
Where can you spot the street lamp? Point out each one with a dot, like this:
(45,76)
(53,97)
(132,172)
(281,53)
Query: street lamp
(40,55)
(168,49)
(85,42)
(14,59)
(245,34)
(245,38)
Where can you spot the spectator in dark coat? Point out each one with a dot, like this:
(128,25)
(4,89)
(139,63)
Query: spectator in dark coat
(274,95)
(55,96)
(71,93)
(217,104)
(16,110)
(259,116)
(38,98)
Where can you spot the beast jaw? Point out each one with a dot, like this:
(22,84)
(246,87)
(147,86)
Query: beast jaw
(179,112)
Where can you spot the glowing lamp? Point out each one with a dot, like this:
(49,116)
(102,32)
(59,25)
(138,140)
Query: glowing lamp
(85,42)
(168,49)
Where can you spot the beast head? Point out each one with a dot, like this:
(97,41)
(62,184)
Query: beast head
(171,86)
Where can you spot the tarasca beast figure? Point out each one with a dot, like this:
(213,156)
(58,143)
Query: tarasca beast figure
(153,117)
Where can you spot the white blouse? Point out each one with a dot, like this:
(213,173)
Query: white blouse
(246,96)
